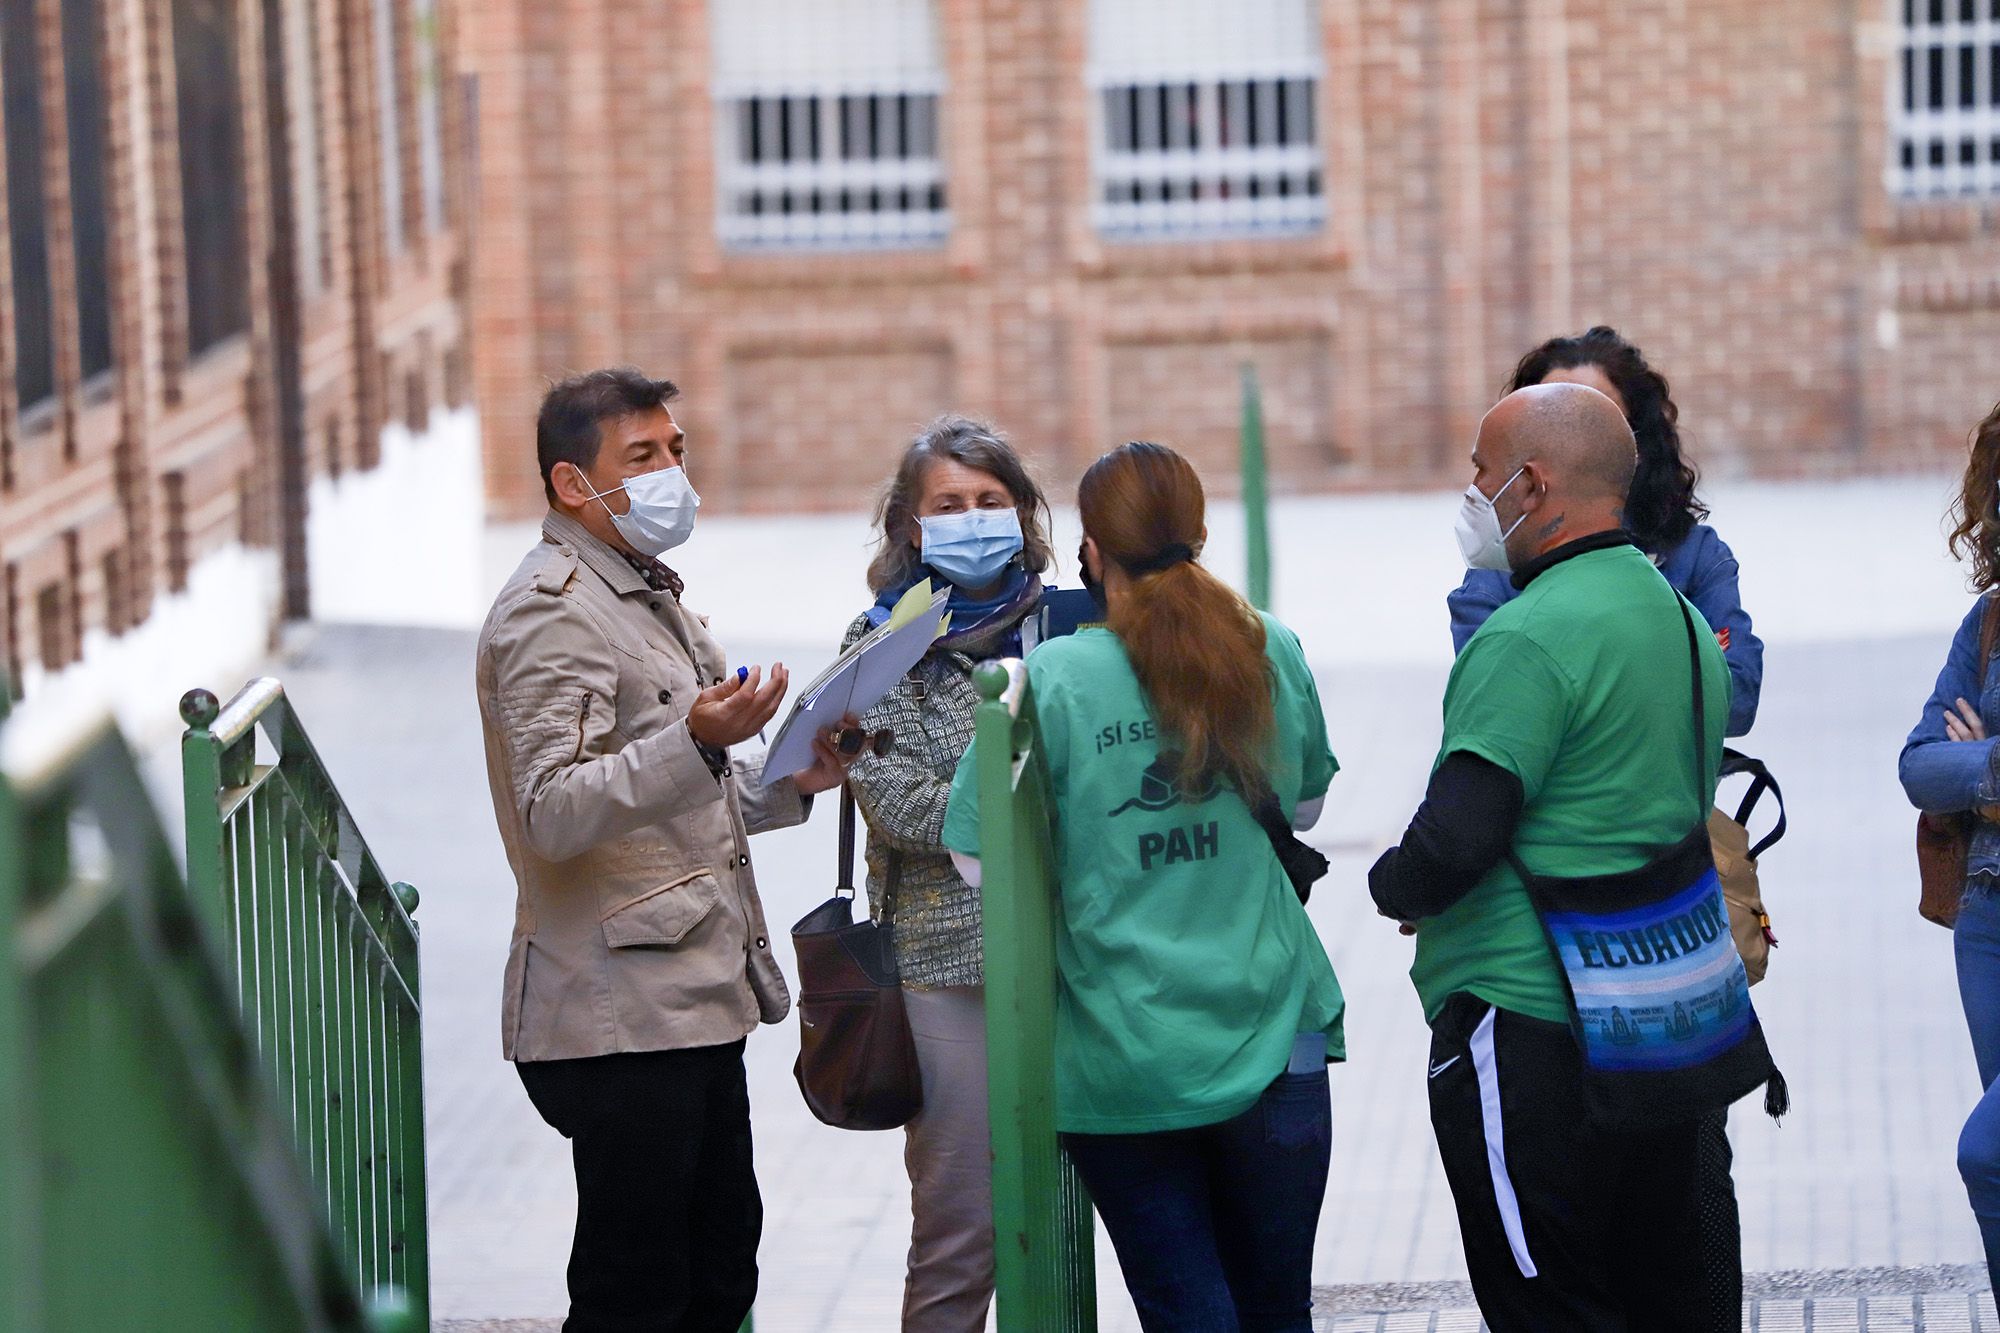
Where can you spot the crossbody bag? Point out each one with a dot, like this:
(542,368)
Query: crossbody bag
(1658,998)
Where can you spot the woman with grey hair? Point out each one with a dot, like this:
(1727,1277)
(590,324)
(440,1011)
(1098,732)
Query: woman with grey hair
(963,512)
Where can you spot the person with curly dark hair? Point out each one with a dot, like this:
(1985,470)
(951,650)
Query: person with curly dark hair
(1950,768)
(1661,512)
(1667,521)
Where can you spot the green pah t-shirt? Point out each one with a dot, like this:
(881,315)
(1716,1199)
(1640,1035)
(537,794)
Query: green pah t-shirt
(1580,688)
(1186,964)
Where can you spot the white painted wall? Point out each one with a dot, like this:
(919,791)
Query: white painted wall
(400,544)
(211,634)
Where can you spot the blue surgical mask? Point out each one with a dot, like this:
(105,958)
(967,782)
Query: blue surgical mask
(661,515)
(972,549)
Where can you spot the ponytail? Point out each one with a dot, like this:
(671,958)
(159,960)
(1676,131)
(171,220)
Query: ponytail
(1195,645)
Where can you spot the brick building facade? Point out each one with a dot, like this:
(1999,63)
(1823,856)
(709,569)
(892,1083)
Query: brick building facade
(230,256)
(830,219)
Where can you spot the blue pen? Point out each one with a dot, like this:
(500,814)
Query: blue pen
(743,674)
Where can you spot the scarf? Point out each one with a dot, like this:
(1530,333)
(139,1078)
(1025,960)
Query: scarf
(990,627)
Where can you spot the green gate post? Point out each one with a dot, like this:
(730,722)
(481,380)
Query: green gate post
(1256,493)
(1044,1278)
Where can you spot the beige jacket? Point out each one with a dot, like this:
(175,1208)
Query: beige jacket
(637,926)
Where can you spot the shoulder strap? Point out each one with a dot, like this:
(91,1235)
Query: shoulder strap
(1989,630)
(845,884)
(1700,710)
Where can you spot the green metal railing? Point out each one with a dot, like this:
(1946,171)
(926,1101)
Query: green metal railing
(324,955)
(1044,1275)
(148,1178)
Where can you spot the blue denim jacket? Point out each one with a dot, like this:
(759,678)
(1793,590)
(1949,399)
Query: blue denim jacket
(1944,776)
(1701,568)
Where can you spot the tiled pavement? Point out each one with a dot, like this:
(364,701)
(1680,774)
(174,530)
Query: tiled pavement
(1861,1008)
(1880,1301)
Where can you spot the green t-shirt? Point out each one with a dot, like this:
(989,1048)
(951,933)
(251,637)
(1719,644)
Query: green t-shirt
(1186,964)
(1579,687)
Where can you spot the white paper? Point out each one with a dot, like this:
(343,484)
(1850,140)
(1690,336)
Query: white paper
(862,677)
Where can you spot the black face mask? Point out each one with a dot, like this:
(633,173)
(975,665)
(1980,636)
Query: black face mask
(1091,585)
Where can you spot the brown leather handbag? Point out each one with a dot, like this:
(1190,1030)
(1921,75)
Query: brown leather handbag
(1944,840)
(857,1064)
(1736,861)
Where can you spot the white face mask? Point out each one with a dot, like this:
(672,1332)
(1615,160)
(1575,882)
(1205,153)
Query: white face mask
(1480,539)
(662,513)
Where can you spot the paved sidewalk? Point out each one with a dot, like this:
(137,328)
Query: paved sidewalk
(1861,1008)
(1869,1301)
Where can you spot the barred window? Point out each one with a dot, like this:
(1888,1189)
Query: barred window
(827,124)
(27,205)
(430,113)
(389,124)
(83,83)
(1206,117)
(302,62)
(213,195)
(1945,120)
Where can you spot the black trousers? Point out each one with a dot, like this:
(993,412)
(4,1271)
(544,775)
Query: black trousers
(667,1210)
(1565,1225)
(1721,1226)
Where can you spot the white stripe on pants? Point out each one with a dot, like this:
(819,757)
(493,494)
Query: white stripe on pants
(1488,1070)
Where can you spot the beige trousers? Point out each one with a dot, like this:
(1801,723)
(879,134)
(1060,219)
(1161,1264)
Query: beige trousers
(950,1160)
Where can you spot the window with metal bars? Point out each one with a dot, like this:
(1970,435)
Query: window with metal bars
(1944,138)
(83,83)
(1206,117)
(213,189)
(1209,157)
(27,205)
(430,113)
(389,123)
(828,124)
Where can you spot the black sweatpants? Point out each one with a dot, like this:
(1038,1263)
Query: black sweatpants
(1565,1225)
(667,1210)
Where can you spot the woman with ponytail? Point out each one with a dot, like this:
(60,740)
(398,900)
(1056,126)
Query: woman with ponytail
(1197,1010)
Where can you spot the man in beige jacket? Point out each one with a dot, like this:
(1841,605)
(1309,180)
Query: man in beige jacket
(640,957)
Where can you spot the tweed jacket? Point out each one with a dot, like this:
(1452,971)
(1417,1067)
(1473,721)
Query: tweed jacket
(637,925)
(902,795)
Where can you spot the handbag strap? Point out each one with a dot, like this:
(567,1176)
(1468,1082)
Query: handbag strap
(844,887)
(1761,781)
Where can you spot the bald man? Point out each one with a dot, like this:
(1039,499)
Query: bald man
(1569,742)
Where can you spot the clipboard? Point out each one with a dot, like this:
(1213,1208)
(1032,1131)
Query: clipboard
(858,679)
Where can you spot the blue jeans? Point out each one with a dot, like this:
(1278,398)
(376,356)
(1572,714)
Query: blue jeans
(1214,1226)
(1976,944)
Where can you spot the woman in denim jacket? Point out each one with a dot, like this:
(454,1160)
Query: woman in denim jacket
(963,512)
(1951,765)
(1664,516)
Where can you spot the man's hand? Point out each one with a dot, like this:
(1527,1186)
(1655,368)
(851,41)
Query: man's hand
(1964,725)
(829,768)
(738,707)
